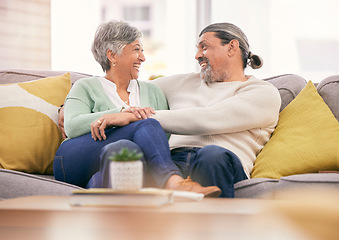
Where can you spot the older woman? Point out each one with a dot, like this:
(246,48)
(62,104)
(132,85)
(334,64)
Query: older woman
(103,114)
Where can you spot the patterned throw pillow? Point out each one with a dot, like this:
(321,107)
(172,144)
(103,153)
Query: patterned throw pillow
(304,141)
(29,133)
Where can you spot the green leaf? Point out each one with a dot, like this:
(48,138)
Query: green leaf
(125,155)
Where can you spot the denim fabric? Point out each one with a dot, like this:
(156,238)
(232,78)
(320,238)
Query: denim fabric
(211,166)
(78,159)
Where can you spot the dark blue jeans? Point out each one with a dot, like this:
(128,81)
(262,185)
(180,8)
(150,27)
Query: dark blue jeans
(78,159)
(211,166)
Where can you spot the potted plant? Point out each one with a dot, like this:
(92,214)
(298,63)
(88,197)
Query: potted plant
(126,170)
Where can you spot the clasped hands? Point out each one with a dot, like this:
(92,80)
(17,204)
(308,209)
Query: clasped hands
(123,118)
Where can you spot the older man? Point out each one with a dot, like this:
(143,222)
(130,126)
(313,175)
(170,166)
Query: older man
(220,119)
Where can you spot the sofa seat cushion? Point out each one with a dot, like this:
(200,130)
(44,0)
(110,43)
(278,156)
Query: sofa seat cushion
(311,178)
(18,184)
(29,132)
(255,188)
(304,182)
(304,141)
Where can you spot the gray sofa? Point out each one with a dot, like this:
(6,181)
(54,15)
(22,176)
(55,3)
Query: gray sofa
(17,184)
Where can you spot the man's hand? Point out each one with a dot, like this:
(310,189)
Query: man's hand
(61,121)
(110,120)
(140,112)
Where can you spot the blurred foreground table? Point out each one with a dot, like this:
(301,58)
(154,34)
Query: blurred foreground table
(52,217)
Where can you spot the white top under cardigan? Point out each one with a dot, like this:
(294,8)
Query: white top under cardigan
(239,116)
(111,91)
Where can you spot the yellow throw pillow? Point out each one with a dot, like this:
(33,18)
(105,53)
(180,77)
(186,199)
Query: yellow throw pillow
(29,133)
(306,139)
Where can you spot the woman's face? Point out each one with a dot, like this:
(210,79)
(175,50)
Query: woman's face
(129,61)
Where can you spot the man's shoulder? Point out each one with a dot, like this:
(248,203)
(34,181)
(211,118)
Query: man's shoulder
(254,79)
(259,82)
(265,88)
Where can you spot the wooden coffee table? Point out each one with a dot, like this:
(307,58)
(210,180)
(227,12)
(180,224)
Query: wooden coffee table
(52,217)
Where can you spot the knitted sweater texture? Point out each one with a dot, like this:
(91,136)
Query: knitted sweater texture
(239,116)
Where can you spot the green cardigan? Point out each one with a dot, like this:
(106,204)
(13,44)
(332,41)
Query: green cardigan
(87,101)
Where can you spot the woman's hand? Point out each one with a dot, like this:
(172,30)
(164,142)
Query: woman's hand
(140,112)
(109,120)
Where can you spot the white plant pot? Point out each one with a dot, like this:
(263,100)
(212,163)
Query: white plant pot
(126,175)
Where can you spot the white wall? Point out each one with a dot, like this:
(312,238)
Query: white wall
(73,24)
(180,36)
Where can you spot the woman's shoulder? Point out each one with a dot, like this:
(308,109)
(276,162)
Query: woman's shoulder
(82,85)
(149,85)
(151,90)
(87,80)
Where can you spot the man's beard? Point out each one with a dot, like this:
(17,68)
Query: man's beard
(209,76)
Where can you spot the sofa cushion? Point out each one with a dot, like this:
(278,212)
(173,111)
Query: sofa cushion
(29,132)
(328,90)
(18,184)
(255,188)
(289,86)
(310,180)
(304,141)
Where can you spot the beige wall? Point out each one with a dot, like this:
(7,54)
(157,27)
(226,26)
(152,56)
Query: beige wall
(25,34)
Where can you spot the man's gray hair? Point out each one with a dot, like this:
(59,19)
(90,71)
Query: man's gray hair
(114,36)
(227,32)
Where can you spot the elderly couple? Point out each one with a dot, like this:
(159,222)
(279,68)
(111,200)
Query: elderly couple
(218,120)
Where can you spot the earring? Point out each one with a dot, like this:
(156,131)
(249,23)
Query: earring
(114,64)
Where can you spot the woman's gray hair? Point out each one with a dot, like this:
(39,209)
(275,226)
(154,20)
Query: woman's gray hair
(227,32)
(114,36)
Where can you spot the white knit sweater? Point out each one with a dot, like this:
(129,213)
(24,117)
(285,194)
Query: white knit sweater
(239,116)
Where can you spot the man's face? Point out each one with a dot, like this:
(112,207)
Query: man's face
(212,57)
